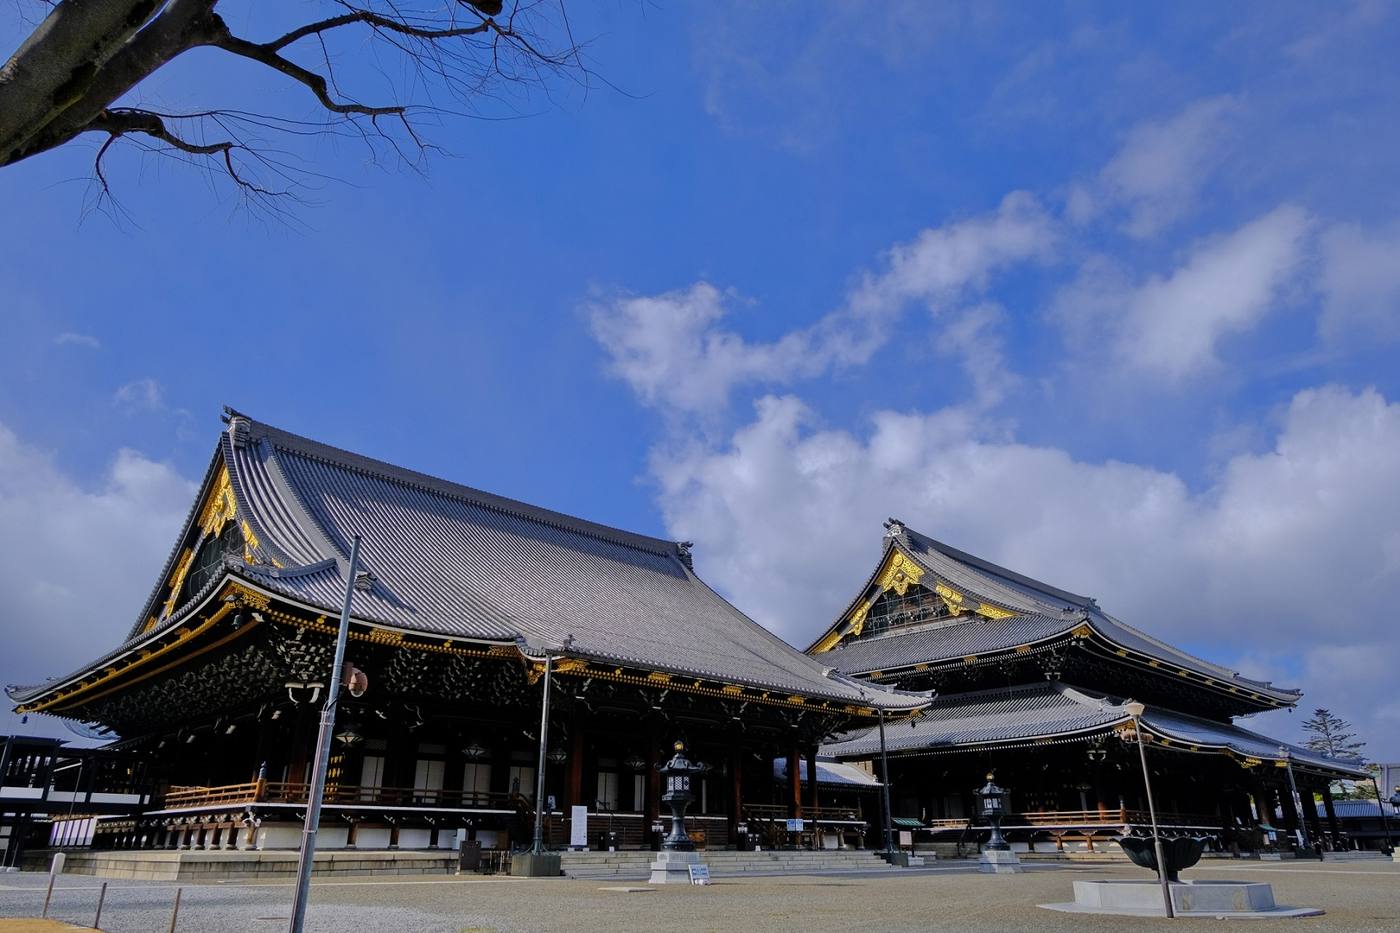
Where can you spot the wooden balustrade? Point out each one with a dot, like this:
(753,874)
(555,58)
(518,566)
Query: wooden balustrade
(1087,818)
(778,813)
(195,798)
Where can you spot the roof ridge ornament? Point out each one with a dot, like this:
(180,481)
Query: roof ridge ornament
(683,552)
(894,528)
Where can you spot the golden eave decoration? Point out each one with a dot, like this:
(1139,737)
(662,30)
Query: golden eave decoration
(898,573)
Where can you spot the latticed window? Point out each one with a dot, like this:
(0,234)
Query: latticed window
(209,562)
(918,604)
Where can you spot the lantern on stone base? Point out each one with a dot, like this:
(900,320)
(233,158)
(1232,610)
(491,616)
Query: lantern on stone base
(677,774)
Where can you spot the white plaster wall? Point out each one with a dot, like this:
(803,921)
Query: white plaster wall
(413,838)
(372,837)
(279,836)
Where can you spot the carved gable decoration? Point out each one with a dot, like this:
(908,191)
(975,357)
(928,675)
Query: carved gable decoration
(217,532)
(904,593)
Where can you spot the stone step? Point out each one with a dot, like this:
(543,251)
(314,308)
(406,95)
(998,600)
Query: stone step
(629,865)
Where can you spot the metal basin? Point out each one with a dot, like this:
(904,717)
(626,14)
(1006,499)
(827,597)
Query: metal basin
(1179,852)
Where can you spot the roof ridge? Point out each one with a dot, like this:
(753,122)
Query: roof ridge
(382,469)
(982,564)
(1211,665)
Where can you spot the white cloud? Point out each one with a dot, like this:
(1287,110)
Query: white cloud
(1293,549)
(140,393)
(1360,284)
(1157,175)
(78,560)
(71,338)
(671,349)
(1169,327)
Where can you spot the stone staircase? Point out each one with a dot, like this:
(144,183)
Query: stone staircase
(724,863)
(1355,855)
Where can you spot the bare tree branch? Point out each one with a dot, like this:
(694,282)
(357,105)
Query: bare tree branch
(73,75)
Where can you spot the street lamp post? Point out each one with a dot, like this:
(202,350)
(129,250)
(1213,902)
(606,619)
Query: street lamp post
(323,749)
(1394,802)
(537,846)
(885,789)
(1297,800)
(1135,710)
(1385,823)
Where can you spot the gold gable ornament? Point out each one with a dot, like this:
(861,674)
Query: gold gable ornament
(899,573)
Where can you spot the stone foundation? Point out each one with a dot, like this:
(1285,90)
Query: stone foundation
(1224,899)
(195,866)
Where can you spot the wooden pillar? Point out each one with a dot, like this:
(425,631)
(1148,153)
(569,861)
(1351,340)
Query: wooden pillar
(736,791)
(1291,816)
(794,782)
(576,750)
(1263,803)
(1331,815)
(303,738)
(653,808)
(812,794)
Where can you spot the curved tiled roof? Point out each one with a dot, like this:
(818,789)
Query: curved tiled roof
(456,562)
(1034,713)
(945,642)
(1041,611)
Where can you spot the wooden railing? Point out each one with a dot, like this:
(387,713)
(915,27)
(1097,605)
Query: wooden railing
(777,813)
(182,798)
(1087,818)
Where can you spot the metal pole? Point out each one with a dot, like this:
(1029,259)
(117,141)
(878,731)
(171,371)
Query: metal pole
(1385,823)
(323,752)
(52,873)
(175,914)
(101,896)
(1152,814)
(1298,801)
(538,847)
(885,786)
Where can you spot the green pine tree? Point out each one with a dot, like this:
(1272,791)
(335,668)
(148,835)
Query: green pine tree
(1331,736)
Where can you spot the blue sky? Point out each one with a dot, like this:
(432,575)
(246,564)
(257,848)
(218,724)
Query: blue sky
(1108,294)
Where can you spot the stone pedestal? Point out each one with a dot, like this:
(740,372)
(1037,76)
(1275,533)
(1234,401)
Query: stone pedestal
(673,867)
(528,865)
(999,862)
(1239,899)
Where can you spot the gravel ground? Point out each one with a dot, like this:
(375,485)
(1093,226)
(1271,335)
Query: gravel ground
(1362,896)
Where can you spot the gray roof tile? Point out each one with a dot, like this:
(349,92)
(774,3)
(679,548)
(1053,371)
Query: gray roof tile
(1049,711)
(454,561)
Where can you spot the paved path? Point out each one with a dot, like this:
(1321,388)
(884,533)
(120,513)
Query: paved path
(1358,898)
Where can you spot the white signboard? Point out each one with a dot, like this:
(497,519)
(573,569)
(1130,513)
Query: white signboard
(699,874)
(794,826)
(578,827)
(906,838)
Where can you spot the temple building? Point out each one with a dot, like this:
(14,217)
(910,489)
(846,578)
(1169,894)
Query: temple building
(1031,683)
(464,595)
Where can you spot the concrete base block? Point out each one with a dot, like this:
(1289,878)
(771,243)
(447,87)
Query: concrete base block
(672,867)
(999,862)
(1230,899)
(528,865)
